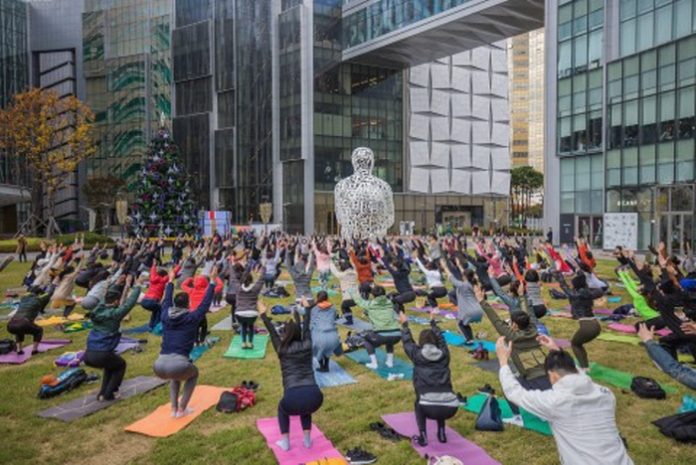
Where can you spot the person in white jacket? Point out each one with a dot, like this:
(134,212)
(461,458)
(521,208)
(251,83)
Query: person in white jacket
(582,414)
(348,280)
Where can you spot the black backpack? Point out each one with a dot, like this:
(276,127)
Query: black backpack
(67,381)
(227,402)
(7,346)
(647,388)
(681,426)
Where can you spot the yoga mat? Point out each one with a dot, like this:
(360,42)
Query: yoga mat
(630,329)
(456,446)
(458,340)
(217,308)
(358,324)
(559,313)
(603,311)
(336,376)
(562,343)
(491,365)
(13,358)
(160,424)
(440,311)
(401,367)
(329,292)
(198,351)
(532,422)
(223,325)
(137,330)
(620,379)
(88,404)
(619,338)
(615,299)
(418,320)
(59,320)
(77,327)
(298,454)
(685,358)
(235,349)
(126,343)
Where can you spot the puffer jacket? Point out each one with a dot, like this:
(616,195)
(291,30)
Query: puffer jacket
(196,289)
(527,355)
(431,371)
(297,359)
(379,311)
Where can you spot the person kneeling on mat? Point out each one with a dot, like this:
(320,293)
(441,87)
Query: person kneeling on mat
(105,336)
(431,378)
(582,414)
(385,326)
(301,395)
(179,331)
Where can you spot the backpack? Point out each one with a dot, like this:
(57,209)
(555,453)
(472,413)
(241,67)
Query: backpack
(236,400)
(647,388)
(353,342)
(480,353)
(490,417)
(7,346)
(279,310)
(67,381)
(681,427)
(70,359)
(444,460)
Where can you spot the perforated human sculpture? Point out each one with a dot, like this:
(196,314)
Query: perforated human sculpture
(364,203)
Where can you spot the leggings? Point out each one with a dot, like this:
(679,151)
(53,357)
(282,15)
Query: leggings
(400,299)
(324,277)
(657,323)
(202,331)
(269,280)
(466,330)
(302,401)
(232,300)
(434,294)
(153,306)
(346,307)
(439,413)
(365,288)
(672,342)
(374,339)
(247,323)
(177,369)
(588,330)
(114,369)
(21,326)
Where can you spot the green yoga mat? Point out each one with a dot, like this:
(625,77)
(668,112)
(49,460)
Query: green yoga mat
(617,378)
(259,351)
(531,422)
(619,338)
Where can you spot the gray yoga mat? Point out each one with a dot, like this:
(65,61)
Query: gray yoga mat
(491,365)
(88,404)
(358,324)
(223,325)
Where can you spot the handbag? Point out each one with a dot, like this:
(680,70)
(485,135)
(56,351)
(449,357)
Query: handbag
(490,417)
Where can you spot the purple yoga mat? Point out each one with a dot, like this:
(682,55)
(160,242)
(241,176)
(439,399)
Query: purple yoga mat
(441,311)
(321,446)
(456,446)
(13,358)
(125,344)
(603,311)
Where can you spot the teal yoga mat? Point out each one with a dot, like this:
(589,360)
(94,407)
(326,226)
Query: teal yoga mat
(198,351)
(474,404)
(458,340)
(401,370)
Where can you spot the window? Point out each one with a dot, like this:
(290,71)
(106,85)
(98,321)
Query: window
(580,53)
(648,63)
(686,113)
(647,164)
(616,121)
(630,166)
(579,133)
(564,58)
(579,94)
(568,175)
(627,9)
(613,168)
(564,97)
(615,79)
(665,159)
(628,37)
(663,24)
(630,136)
(682,16)
(595,90)
(595,131)
(645,29)
(687,61)
(667,107)
(595,49)
(648,131)
(564,134)
(630,86)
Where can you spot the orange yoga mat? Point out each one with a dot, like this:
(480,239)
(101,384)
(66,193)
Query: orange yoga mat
(160,424)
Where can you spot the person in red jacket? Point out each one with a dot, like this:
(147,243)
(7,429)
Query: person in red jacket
(363,267)
(159,277)
(196,288)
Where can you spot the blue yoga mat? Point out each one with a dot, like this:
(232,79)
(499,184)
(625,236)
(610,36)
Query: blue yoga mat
(401,367)
(458,340)
(336,376)
(137,330)
(198,351)
(358,324)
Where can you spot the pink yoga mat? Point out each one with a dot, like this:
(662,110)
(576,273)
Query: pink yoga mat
(321,446)
(562,343)
(603,311)
(13,358)
(456,446)
(630,329)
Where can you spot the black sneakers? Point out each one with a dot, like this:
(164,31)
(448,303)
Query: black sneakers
(385,431)
(359,456)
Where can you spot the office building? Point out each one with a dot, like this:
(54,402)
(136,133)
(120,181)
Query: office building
(620,117)
(526,71)
(128,77)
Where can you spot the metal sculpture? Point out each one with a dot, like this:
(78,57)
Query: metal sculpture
(364,203)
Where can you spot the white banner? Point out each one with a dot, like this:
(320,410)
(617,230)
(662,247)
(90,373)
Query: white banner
(621,229)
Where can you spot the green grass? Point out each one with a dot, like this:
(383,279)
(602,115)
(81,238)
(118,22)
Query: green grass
(216,438)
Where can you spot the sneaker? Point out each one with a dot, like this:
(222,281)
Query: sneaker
(371,366)
(359,456)
(486,389)
(514,420)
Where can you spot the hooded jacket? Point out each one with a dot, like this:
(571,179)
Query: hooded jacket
(431,372)
(31,305)
(157,283)
(379,311)
(106,323)
(196,289)
(179,325)
(582,416)
(296,360)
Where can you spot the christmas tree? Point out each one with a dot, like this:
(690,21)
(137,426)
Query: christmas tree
(163,200)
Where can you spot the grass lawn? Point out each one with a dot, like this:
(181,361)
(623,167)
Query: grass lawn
(216,438)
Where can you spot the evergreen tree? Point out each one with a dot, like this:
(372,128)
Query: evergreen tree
(163,200)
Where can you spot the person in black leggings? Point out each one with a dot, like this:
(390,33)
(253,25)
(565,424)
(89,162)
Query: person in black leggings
(301,395)
(400,272)
(435,399)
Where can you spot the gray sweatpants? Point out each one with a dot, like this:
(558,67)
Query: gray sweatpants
(177,368)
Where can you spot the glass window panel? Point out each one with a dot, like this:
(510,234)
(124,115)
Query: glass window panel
(663,24)
(582,173)
(687,113)
(628,37)
(597,167)
(564,58)
(682,17)
(687,72)
(645,26)
(595,48)
(627,9)
(567,175)
(567,202)
(595,131)
(614,71)
(579,133)
(649,121)
(647,164)
(616,124)
(667,77)
(580,52)
(565,135)
(582,202)
(667,112)
(614,159)
(630,135)
(667,54)
(644,5)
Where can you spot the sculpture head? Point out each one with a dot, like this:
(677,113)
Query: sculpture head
(363,160)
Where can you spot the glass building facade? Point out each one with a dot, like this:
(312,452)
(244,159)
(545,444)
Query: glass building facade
(128,72)
(624,108)
(14,66)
